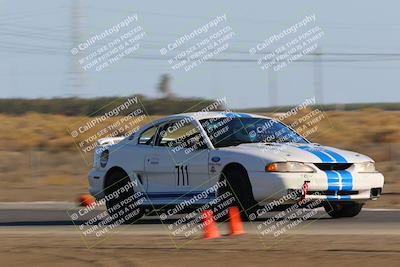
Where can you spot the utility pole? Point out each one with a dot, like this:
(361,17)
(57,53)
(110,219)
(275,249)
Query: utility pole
(75,78)
(318,78)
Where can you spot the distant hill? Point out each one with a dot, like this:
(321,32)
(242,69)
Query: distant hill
(96,106)
(330,107)
(153,106)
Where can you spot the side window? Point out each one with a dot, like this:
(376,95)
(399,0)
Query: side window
(181,135)
(147,136)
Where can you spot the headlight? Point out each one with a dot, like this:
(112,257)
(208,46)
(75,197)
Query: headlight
(288,167)
(100,157)
(365,167)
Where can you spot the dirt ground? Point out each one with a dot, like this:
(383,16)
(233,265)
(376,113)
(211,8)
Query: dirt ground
(57,249)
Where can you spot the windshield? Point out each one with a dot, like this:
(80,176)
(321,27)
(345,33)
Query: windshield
(235,131)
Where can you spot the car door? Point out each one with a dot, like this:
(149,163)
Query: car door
(176,167)
(130,155)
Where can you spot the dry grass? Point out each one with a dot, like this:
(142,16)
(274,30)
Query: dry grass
(51,132)
(38,151)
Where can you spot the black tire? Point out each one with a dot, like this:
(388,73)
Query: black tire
(122,204)
(237,187)
(339,210)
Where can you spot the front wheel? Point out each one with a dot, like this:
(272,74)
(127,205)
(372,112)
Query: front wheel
(122,203)
(238,191)
(338,210)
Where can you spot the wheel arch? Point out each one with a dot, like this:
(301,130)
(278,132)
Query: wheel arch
(232,165)
(108,175)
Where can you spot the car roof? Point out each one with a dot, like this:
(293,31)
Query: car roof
(215,114)
(201,116)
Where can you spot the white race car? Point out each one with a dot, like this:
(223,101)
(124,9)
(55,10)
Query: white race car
(258,159)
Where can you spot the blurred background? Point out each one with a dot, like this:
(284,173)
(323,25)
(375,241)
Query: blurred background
(353,74)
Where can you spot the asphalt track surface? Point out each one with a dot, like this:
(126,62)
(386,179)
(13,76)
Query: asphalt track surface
(42,234)
(52,216)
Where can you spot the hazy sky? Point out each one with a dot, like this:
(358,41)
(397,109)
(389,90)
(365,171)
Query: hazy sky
(37,37)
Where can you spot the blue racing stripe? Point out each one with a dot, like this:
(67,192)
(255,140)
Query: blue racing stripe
(231,115)
(333,181)
(347,180)
(338,197)
(236,115)
(322,156)
(242,115)
(336,156)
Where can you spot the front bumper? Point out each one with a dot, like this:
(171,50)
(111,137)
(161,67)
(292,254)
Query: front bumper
(273,186)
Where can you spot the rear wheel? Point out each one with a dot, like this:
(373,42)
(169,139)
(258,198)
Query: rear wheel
(123,205)
(237,192)
(338,210)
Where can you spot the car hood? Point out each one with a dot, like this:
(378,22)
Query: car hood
(309,152)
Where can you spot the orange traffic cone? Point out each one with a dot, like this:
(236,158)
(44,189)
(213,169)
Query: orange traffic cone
(235,221)
(86,200)
(209,225)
